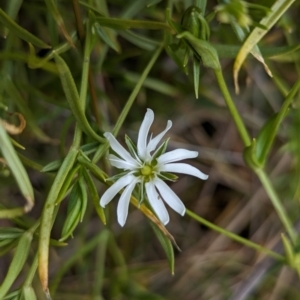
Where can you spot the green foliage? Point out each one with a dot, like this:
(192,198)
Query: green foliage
(73,70)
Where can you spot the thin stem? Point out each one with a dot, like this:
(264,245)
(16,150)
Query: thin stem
(277,204)
(232,108)
(235,237)
(136,90)
(247,142)
(82,36)
(102,149)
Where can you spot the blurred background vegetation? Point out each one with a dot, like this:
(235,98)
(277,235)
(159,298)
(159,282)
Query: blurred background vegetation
(110,262)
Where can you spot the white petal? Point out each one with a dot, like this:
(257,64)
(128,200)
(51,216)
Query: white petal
(143,134)
(156,203)
(176,155)
(169,196)
(120,163)
(119,149)
(153,143)
(183,169)
(122,210)
(113,190)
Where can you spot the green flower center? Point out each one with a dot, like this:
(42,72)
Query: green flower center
(146,170)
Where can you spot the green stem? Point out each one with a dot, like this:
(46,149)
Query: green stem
(277,204)
(232,108)
(136,90)
(100,239)
(247,142)
(102,149)
(235,237)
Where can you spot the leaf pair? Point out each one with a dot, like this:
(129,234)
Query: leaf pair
(194,33)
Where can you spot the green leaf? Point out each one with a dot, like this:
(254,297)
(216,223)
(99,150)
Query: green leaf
(72,96)
(83,197)
(194,22)
(176,57)
(20,31)
(166,245)
(139,40)
(28,293)
(10,233)
(176,27)
(131,146)
(94,195)
(153,84)
(168,176)
(73,213)
(266,137)
(67,184)
(104,36)
(204,50)
(8,247)
(250,158)
(93,168)
(18,171)
(51,6)
(277,10)
(18,261)
(231,51)
(53,166)
(15,295)
(12,10)
(125,24)
(161,149)
(6,242)
(196,73)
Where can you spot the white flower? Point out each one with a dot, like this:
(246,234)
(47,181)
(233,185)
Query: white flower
(148,170)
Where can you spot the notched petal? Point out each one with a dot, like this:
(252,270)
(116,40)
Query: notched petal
(143,133)
(154,142)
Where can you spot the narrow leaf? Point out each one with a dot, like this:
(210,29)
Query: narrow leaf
(83,197)
(59,20)
(20,31)
(72,96)
(28,293)
(125,24)
(94,195)
(277,10)
(196,73)
(104,36)
(17,169)
(18,261)
(12,10)
(204,50)
(166,245)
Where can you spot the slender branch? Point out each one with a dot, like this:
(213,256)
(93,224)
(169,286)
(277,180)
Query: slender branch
(232,108)
(81,34)
(277,204)
(235,237)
